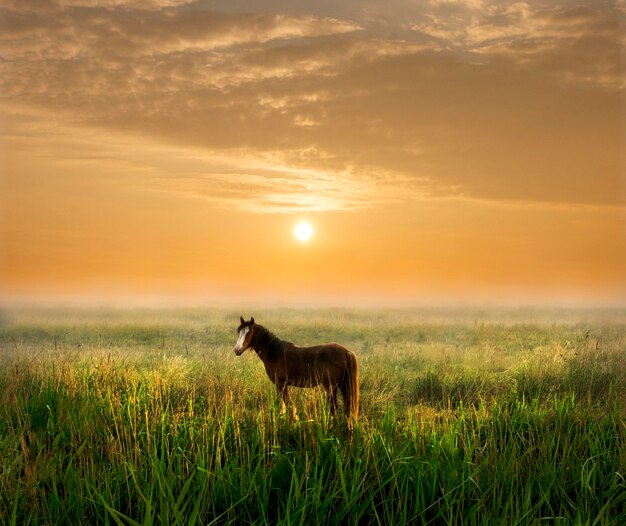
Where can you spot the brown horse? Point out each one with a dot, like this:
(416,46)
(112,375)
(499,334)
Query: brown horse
(330,364)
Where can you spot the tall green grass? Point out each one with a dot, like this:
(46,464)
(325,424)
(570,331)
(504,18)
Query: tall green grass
(149,418)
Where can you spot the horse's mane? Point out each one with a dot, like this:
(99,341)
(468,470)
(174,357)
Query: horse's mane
(264,338)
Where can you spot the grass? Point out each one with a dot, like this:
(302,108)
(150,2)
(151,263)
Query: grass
(147,417)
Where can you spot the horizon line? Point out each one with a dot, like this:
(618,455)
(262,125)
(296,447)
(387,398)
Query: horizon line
(359,302)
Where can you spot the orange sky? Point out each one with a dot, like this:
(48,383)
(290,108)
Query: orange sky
(442,150)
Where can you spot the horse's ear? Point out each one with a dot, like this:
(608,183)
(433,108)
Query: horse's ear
(241,318)
(252,321)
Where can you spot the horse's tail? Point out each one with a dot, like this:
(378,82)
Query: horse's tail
(350,387)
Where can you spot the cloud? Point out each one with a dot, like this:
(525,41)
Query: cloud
(580,43)
(39,6)
(235,179)
(277,191)
(122,34)
(487,100)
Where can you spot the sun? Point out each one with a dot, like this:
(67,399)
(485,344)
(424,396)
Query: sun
(303,231)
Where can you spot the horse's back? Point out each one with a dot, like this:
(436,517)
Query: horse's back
(308,366)
(327,351)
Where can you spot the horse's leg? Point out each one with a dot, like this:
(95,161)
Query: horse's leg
(331,394)
(281,390)
(347,406)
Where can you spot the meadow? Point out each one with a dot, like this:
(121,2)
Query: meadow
(467,416)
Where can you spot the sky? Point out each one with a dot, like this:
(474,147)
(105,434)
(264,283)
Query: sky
(442,150)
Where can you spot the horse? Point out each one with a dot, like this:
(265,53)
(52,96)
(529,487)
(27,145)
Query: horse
(330,364)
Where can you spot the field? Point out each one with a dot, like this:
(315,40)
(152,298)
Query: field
(467,417)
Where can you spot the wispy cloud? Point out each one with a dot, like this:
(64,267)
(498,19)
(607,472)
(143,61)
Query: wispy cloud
(579,43)
(281,181)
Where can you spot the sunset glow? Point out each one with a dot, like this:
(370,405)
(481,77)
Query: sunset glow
(442,150)
(303,231)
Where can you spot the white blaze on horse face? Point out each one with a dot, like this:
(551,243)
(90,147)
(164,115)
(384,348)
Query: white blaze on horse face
(242,337)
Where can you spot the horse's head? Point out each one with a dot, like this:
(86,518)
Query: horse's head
(245,330)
